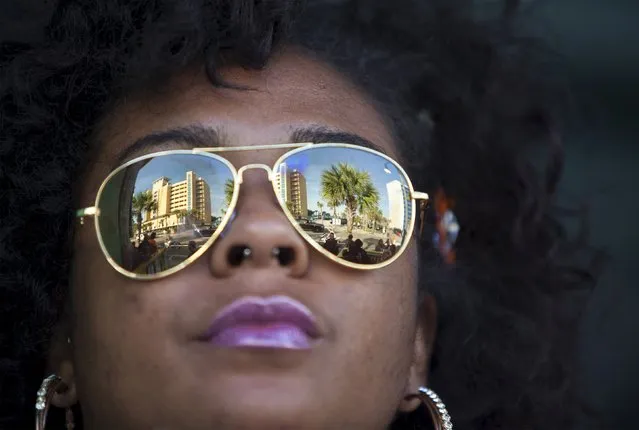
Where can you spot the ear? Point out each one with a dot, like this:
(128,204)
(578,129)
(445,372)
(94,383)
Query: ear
(422,350)
(60,362)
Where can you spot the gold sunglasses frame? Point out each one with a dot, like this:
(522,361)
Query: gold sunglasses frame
(237,181)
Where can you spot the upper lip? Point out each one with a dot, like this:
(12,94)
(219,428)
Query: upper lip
(263,310)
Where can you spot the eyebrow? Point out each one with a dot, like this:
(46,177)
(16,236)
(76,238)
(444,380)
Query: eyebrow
(191,136)
(321,134)
(196,135)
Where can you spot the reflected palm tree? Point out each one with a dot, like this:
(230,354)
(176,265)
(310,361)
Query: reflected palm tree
(142,202)
(292,209)
(229,187)
(344,184)
(181,215)
(333,206)
(185,216)
(320,206)
(368,198)
(374,216)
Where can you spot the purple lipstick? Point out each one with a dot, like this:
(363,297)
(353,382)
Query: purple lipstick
(264,322)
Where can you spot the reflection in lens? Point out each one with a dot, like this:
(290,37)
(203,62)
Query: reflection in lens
(157,212)
(354,203)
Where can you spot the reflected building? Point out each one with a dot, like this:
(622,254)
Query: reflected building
(191,196)
(399,205)
(291,186)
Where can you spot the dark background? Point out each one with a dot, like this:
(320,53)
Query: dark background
(600,42)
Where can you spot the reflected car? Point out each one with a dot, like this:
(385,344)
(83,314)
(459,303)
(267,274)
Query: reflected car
(311,226)
(205,232)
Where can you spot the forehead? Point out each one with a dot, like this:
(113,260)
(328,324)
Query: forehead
(294,91)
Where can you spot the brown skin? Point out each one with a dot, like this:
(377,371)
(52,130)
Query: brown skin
(134,363)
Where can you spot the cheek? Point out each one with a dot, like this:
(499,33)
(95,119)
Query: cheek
(384,313)
(376,341)
(121,328)
(105,303)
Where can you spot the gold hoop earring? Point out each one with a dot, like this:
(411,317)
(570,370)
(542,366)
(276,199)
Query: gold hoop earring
(50,385)
(437,409)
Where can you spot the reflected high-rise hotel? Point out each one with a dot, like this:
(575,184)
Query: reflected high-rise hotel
(398,213)
(192,196)
(291,186)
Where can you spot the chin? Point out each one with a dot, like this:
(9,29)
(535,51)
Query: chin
(281,411)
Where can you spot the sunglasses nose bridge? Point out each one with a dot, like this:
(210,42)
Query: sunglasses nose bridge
(240,172)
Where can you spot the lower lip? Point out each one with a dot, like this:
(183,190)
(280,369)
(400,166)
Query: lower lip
(275,335)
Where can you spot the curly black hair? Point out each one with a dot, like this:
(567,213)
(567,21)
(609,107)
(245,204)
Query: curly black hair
(470,101)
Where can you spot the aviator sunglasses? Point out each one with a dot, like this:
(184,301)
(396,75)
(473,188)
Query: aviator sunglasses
(156,214)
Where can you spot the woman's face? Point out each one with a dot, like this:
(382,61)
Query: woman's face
(136,360)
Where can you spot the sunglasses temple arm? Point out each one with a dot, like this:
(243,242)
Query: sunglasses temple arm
(423,199)
(90,211)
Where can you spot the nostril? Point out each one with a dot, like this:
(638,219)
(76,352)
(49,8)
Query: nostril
(237,254)
(285,255)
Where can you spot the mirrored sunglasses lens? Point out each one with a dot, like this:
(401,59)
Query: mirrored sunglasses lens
(157,212)
(354,204)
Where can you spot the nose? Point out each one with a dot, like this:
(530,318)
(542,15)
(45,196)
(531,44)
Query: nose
(260,235)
